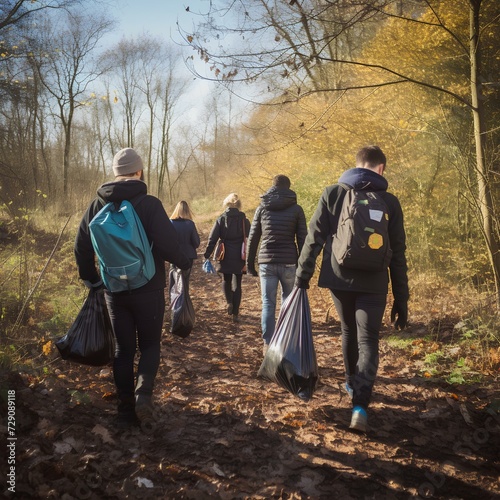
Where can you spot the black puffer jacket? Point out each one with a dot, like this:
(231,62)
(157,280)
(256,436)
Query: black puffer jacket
(279,224)
(160,231)
(229,228)
(324,224)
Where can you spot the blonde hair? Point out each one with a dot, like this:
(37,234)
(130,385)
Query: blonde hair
(232,201)
(182,211)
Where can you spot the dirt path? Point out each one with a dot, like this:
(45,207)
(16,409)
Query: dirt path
(220,432)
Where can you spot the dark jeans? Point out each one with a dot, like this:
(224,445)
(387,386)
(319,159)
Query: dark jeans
(137,320)
(360,317)
(231,286)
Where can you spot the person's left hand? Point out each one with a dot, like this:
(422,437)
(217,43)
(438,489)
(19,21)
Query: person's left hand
(399,314)
(252,271)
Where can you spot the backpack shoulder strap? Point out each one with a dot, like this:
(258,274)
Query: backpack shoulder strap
(336,201)
(137,199)
(336,197)
(345,186)
(102,201)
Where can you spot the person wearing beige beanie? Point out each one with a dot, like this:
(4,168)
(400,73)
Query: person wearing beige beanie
(136,314)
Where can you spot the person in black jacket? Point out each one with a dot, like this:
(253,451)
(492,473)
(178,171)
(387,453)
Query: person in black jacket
(136,315)
(189,239)
(279,224)
(232,228)
(359,296)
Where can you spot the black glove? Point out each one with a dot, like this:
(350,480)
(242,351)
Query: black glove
(399,309)
(301,283)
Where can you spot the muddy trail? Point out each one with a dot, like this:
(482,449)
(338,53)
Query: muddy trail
(221,432)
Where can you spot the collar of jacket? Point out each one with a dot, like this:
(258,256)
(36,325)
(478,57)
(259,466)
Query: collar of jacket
(364,179)
(118,191)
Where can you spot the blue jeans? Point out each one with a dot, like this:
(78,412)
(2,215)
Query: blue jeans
(270,276)
(360,320)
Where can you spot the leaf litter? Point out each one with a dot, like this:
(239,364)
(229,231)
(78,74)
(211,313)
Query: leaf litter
(220,432)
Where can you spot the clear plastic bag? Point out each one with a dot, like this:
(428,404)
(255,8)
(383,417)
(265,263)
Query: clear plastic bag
(290,360)
(182,310)
(90,339)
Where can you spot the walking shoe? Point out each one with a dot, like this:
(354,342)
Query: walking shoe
(349,390)
(126,419)
(143,407)
(359,419)
(125,416)
(236,319)
(230,309)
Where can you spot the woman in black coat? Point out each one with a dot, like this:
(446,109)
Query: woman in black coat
(232,228)
(189,239)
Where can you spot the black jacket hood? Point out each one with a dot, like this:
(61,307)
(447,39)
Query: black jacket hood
(364,179)
(278,199)
(118,191)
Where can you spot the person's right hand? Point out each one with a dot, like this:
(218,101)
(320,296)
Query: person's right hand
(301,283)
(95,287)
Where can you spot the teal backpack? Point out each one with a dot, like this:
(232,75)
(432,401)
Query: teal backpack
(122,247)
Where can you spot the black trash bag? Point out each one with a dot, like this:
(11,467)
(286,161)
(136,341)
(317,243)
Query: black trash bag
(90,339)
(182,310)
(290,360)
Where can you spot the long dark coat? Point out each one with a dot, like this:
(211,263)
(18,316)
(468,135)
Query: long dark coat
(229,228)
(279,224)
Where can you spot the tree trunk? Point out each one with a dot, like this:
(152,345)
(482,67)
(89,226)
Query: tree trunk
(67,123)
(485,199)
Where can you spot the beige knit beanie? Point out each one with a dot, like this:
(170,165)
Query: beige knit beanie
(126,161)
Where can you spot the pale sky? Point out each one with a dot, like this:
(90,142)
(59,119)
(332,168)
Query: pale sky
(157,17)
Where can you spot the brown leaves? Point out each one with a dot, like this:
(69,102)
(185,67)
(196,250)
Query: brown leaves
(222,433)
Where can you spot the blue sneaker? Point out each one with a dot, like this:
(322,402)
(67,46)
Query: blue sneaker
(359,419)
(349,390)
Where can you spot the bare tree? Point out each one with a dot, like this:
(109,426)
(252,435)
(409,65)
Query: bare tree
(21,96)
(150,85)
(67,67)
(126,64)
(21,11)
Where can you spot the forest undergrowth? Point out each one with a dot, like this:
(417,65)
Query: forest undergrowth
(220,432)
(454,331)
